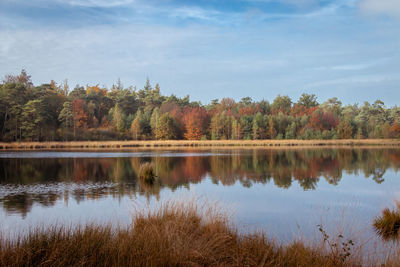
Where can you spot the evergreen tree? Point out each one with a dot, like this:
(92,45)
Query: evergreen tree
(33,117)
(66,116)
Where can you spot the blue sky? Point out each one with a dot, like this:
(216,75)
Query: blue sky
(210,48)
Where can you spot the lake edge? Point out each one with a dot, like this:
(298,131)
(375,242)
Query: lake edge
(100,145)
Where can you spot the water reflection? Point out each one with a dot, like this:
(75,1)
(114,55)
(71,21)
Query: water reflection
(25,182)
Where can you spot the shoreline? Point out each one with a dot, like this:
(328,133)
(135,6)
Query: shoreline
(104,145)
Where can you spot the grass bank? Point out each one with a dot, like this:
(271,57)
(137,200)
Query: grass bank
(199,144)
(174,235)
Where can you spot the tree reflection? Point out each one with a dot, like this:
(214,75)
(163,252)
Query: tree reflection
(93,178)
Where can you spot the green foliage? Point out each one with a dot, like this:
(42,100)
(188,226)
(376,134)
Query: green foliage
(119,119)
(66,116)
(258,126)
(33,117)
(291,131)
(167,129)
(308,101)
(282,103)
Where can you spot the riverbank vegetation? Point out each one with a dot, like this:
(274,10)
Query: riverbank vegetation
(53,112)
(173,235)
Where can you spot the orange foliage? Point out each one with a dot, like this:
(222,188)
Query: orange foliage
(195,121)
(247,111)
(300,110)
(80,115)
(321,120)
(395,130)
(96,90)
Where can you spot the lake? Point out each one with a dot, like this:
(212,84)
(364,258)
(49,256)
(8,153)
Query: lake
(286,192)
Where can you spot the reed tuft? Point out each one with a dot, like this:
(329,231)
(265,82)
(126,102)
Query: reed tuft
(146,173)
(387,225)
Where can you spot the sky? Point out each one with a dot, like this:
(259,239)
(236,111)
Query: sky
(210,49)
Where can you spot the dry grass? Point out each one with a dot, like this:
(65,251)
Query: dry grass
(146,173)
(173,235)
(188,143)
(388,225)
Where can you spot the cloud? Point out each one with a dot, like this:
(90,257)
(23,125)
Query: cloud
(384,7)
(204,50)
(96,3)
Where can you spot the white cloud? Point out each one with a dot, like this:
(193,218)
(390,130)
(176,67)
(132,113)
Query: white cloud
(384,7)
(237,56)
(96,3)
(193,13)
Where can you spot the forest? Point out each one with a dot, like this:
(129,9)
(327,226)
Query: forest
(54,112)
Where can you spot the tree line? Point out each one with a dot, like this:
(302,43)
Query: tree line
(53,112)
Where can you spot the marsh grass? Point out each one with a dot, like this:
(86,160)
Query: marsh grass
(146,173)
(175,234)
(387,225)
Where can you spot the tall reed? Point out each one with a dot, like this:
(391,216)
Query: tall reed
(175,234)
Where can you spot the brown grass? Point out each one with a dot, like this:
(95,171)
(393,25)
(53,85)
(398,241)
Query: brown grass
(188,143)
(173,235)
(387,226)
(146,173)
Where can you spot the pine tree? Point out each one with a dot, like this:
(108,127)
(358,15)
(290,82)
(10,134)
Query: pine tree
(33,118)
(66,116)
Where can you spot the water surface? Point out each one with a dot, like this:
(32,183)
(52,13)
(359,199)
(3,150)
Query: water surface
(286,192)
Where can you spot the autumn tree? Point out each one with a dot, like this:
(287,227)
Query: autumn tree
(195,120)
(271,128)
(345,130)
(80,115)
(137,127)
(119,119)
(258,126)
(236,130)
(395,130)
(155,115)
(167,129)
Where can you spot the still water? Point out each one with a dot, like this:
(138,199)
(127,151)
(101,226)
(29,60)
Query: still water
(285,192)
